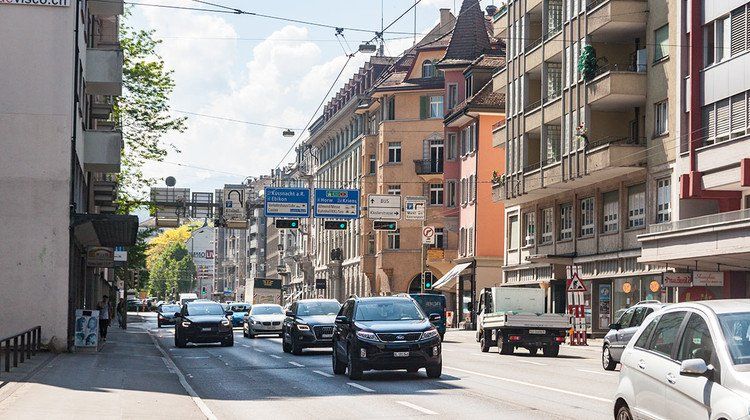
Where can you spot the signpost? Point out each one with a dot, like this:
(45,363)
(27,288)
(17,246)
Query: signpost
(428,235)
(384,207)
(287,202)
(576,305)
(336,204)
(415,208)
(234,202)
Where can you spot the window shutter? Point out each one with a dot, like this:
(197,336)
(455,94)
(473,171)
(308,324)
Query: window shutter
(739,35)
(739,113)
(424,107)
(709,124)
(722,118)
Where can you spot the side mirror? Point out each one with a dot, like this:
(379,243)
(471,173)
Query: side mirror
(695,367)
(341,319)
(615,326)
(176,314)
(229,313)
(435,317)
(290,313)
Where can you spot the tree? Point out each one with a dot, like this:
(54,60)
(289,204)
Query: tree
(159,245)
(143,114)
(172,270)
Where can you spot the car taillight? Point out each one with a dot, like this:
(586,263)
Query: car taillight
(514,338)
(560,339)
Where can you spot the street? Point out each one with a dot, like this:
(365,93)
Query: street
(255,378)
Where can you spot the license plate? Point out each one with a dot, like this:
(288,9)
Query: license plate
(327,335)
(205,329)
(537,331)
(400,354)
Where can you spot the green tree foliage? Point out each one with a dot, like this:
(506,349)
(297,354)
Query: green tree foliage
(143,114)
(172,270)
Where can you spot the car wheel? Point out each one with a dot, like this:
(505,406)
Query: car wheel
(503,347)
(244,331)
(284,345)
(533,350)
(179,342)
(607,362)
(354,371)
(484,342)
(623,413)
(442,336)
(296,346)
(229,342)
(551,351)
(338,367)
(435,371)
(250,333)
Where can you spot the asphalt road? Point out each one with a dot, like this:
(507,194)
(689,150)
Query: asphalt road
(256,379)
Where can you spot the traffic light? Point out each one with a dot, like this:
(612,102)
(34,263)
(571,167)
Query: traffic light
(334,225)
(384,225)
(287,224)
(428,278)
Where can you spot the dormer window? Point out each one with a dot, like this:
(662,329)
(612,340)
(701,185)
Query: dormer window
(428,69)
(469,87)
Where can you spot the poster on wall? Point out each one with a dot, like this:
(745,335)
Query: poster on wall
(87,328)
(605,308)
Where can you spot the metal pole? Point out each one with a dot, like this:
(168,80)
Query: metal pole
(421,260)
(7,355)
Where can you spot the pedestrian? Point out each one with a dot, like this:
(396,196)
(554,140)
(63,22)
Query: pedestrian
(120,313)
(105,310)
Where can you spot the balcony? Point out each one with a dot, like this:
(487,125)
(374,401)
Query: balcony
(103,72)
(106,7)
(428,167)
(617,19)
(617,87)
(105,193)
(101,151)
(101,106)
(499,134)
(713,242)
(721,164)
(500,21)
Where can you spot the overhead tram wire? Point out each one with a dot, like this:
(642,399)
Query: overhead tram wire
(233,120)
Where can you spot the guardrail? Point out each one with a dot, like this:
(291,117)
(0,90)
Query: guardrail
(25,345)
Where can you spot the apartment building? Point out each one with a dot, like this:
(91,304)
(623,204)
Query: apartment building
(590,117)
(62,69)
(704,203)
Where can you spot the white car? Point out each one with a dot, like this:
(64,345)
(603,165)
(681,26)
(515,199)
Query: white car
(264,319)
(688,361)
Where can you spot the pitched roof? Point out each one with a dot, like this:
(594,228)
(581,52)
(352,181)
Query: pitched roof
(486,98)
(469,39)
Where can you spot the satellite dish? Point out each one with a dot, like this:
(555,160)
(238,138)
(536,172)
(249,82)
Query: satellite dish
(170,181)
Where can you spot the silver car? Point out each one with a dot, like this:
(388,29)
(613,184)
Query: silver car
(264,319)
(622,330)
(688,361)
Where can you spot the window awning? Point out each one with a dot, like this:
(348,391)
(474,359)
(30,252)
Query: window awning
(108,230)
(447,281)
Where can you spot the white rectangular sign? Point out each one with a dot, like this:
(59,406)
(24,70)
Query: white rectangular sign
(415,208)
(708,278)
(234,202)
(677,280)
(384,207)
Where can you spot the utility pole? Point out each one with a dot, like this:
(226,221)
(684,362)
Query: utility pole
(422,259)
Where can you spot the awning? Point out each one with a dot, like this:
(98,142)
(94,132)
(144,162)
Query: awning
(446,282)
(108,230)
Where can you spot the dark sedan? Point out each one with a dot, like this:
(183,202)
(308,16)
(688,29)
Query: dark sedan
(165,314)
(203,322)
(309,323)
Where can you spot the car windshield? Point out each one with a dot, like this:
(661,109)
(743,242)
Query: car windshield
(169,309)
(736,328)
(267,310)
(205,309)
(318,308)
(388,310)
(238,308)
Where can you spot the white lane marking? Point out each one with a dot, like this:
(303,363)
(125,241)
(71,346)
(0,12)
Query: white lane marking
(358,386)
(593,371)
(246,345)
(259,350)
(416,407)
(547,388)
(296,364)
(323,374)
(478,354)
(533,363)
(191,357)
(275,356)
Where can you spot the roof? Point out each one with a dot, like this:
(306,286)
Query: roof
(488,61)
(486,98)
(718,306)
(470,36)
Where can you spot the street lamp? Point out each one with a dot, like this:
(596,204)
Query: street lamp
(288,133)
(367,48)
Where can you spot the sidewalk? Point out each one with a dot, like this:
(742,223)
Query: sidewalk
(127,379)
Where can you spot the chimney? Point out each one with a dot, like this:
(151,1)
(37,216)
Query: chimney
(446,17)
(491,10)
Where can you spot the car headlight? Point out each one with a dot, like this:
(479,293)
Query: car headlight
(225,322)
(432,332)
(186,324)
(366,335)
(303,327)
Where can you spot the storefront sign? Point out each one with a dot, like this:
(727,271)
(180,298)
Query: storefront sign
(58,3)
(654,286)
(708,278)
(677,280)
(100,257)
(435,254)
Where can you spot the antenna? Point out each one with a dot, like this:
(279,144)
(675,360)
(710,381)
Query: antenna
(415,23)
(382,46)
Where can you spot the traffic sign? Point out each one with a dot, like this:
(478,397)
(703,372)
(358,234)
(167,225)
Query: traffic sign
(384,207)
(320,284)
(384,225)
(287,202)
(335,225)
(428,235)
(336,204)
(414,208)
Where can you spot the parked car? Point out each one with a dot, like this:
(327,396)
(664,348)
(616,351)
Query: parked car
(203,322)
(165,314)
(239,310)
(309,323)
(688,361)
(263,319)
(622,330)
(432,303)
(385,333)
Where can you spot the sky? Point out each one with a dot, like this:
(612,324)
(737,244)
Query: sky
(259,70)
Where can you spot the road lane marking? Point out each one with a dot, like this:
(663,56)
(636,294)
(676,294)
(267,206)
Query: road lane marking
(323,374)
(358,386)
(547,388)
(275,356)
(533,363)
(416,407)
(296,364)
(259,350)
(593,371)
(246,345)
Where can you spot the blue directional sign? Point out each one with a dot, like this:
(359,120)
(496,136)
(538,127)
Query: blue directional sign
(336,204)
(287,202)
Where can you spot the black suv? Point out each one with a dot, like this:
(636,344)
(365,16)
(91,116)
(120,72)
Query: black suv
(385,333)
(203,322)
(309,323)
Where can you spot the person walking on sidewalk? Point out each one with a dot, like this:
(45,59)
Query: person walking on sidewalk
(105,310)
(120,313)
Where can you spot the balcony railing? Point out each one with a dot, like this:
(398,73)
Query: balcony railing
(631,66)
(711,219)
(532,106)
(533,44)
(619,140)
(428,167)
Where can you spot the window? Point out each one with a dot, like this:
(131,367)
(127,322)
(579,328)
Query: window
(450,197)
(566,221)
(709,45)
(643,338)
(464,191)
(394,189)
(696,341)
(394,239)
(663,195)
(661,118)
(514,233)
(428,69)
(391,108)
(610,211)
(394,152)
(451,152)
(738,31)
(587,216)
(661,43)
(722,39)
(373,164)
(469,87)
(636,206)
(530,223)
(547,217)
(626,317)
(738,113)
(439,238)
(552,143)
(436,194)
(640,314)
(472,188)
(452,95)
(462,241)
(371,245)
(665,333)
(436,106)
